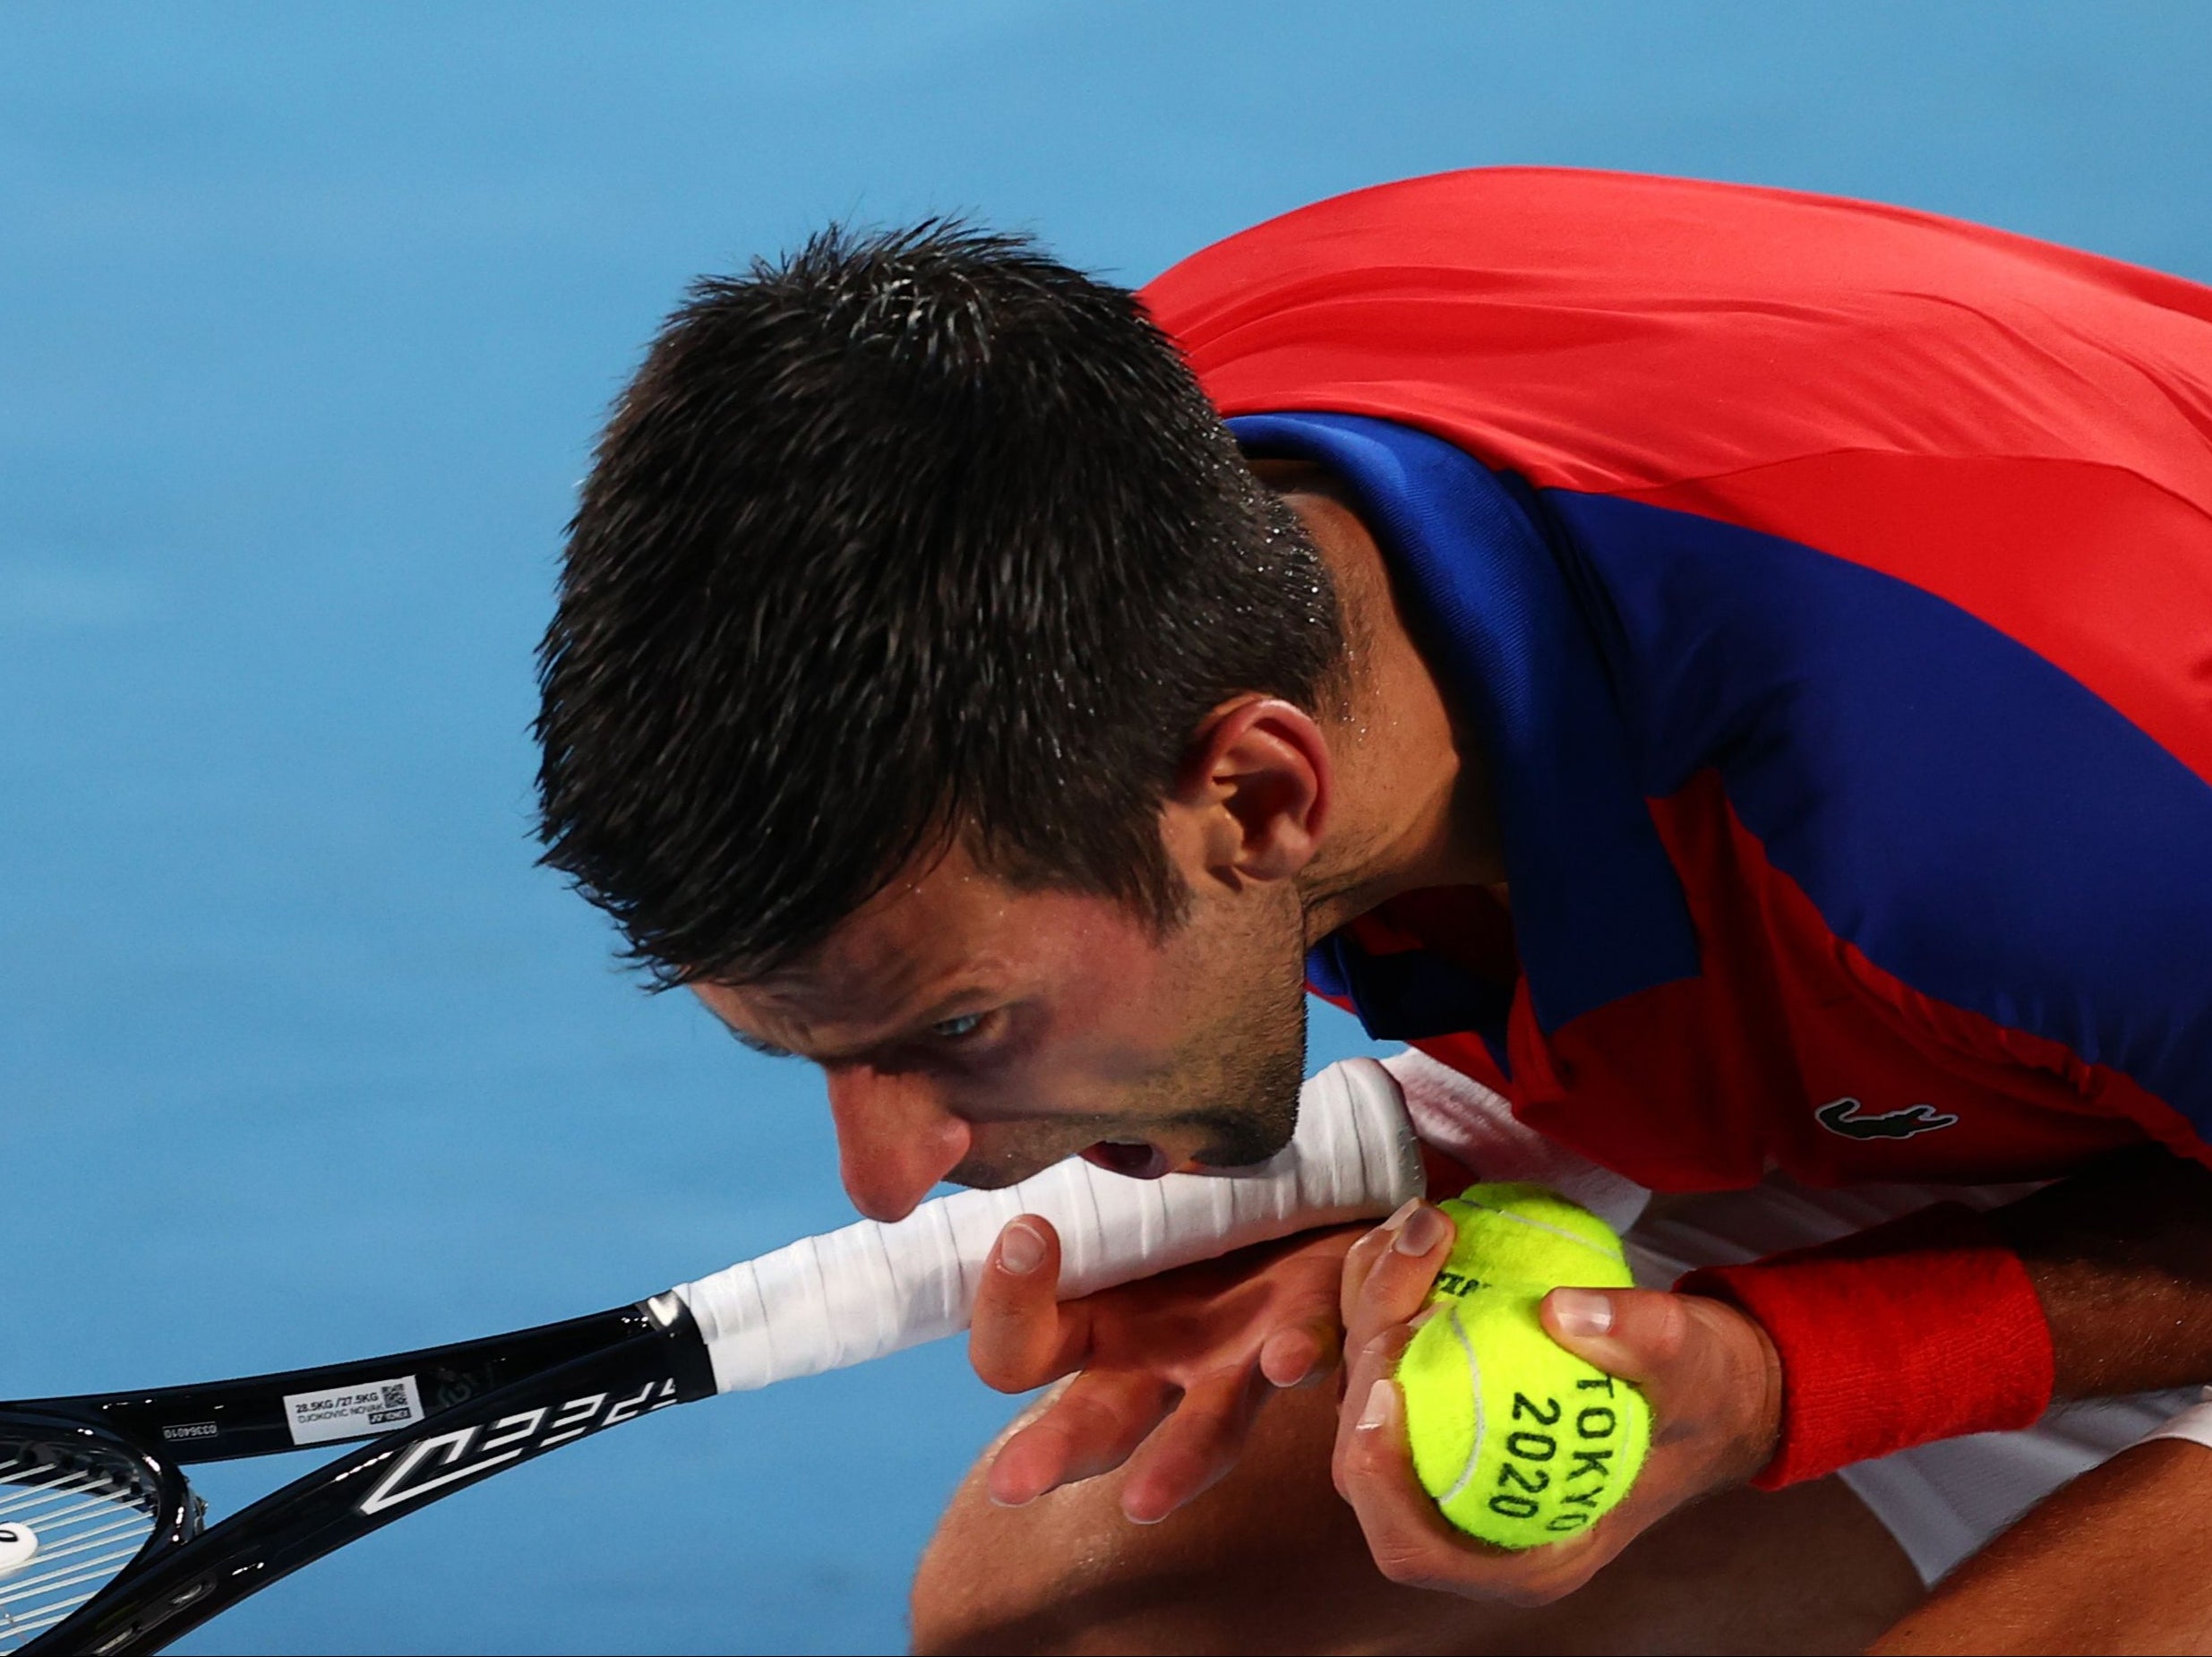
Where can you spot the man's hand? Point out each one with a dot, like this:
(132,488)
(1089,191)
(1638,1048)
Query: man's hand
(1710,1372)
(1170,1371)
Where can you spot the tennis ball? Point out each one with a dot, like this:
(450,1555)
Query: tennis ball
(1520,1441)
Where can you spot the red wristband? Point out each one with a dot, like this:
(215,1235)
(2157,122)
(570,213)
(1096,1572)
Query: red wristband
(1924,1328)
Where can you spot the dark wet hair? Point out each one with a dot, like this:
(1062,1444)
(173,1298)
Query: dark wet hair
(905,536)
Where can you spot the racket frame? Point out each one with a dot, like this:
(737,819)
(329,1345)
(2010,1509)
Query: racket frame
(519,1395)
(173,1511)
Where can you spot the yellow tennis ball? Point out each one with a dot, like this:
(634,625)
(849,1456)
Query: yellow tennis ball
(1520,1441)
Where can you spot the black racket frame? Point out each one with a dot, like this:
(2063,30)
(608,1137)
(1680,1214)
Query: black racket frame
(489,1405)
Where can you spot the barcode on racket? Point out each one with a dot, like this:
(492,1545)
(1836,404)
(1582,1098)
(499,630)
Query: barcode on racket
(351,1412)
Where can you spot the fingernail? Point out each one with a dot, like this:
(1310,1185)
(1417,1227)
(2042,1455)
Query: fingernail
(1020,1249)
(1377,1409)
(1581,1311)
(1398,1217)
(1423,1231)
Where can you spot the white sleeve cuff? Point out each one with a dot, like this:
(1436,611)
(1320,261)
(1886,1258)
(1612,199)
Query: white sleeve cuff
(1477,1128)
(2194,1424)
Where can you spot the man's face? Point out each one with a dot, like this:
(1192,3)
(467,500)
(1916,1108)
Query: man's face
(973,1031)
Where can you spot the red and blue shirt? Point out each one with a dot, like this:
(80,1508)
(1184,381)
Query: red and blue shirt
(1829,587)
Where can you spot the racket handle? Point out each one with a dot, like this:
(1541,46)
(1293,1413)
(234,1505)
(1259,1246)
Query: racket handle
(858,1293)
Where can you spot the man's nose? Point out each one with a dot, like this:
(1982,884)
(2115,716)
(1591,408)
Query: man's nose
(895,1139)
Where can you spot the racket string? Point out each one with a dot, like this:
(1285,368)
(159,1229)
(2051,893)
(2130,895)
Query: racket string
(36,1497)
(134,1525)
(90,1514)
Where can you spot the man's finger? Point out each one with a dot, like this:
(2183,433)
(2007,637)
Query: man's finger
(1397,1286)
(1300,1356)
(1092,1427)
(1413,1543)
(1377,1361)
(1360,1259)
(1020,1335)
(1195,1448)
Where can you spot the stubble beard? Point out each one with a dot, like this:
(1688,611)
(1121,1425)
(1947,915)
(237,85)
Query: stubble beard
(1259,1070)
(1239,1084)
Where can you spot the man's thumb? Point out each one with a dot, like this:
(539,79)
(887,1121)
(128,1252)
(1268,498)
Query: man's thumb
(1019,1336)
(1639,1335)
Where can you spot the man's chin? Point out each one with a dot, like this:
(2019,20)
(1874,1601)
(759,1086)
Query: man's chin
(1244,1140)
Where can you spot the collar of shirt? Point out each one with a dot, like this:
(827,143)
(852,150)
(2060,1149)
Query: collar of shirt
(1598,911)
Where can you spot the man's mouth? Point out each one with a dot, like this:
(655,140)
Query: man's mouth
(1137,1159)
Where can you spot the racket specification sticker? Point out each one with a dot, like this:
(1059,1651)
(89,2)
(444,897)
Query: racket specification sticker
(353,1412)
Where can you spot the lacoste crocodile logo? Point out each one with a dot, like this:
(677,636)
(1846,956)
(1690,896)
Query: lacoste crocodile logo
(1842,1117)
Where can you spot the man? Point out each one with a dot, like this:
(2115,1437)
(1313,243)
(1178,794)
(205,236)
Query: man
(1730,671)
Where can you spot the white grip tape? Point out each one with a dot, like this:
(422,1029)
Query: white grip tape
(850,1295)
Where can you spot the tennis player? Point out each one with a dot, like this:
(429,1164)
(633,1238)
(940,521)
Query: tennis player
(1725,676)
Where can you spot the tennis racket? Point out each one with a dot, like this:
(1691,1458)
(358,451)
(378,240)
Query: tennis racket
(103,1548)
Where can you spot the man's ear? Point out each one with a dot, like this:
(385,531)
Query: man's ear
(1251,801)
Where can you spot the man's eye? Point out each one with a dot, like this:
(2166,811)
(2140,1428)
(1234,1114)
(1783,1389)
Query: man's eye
(953,1029)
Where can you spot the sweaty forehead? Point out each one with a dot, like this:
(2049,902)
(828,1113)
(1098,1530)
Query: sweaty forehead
(941,917)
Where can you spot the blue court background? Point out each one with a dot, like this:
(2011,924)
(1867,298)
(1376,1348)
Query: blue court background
(307,314)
